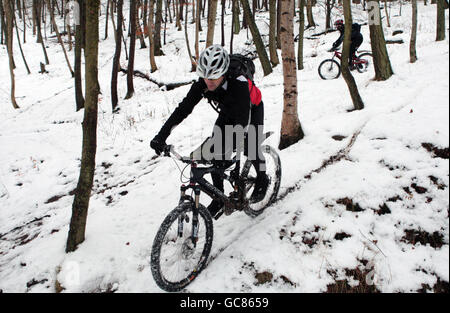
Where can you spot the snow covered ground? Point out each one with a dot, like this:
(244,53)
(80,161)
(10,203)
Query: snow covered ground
(379,214)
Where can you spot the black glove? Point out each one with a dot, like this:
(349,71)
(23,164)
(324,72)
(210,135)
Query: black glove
(158,144)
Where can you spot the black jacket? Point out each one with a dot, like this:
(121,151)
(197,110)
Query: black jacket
(356,33)
(232,98)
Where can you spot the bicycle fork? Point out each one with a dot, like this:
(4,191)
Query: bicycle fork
(195,221)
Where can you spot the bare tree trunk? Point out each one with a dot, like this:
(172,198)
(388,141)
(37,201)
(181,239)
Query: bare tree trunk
(7,7)
(116,60)
(236,27)
(211,22)
(412,43)
(301,31)
(193,64)
(153,66)
(348,77)
(107,16)
(52,16)
(273,33)
(260,49)
(387,14)
(158,21)
(440,21)
(79,99)
(197,29)
(2,24)
(381,62)
(291,129)
(130,85)
(81,200)
(309,14)
(222,29)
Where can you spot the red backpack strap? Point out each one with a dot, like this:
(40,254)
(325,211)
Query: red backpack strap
(255,93)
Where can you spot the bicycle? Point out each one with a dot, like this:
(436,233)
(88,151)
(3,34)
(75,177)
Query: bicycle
(331,69)
(183,242)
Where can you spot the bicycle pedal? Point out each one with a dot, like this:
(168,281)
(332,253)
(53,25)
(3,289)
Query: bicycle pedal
(219,214)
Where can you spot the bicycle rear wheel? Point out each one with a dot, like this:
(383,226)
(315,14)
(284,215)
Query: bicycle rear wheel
(365,63)
(329,69)
(175,260)
(273,171)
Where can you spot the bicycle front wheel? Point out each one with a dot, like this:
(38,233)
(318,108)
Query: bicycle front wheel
(329,69)
(273,171)
(176,260)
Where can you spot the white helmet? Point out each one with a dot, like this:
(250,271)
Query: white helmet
(213,62)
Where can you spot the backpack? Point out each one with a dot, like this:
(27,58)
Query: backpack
(241,65)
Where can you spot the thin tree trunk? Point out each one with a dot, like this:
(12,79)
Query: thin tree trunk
(440,21)
(106,20)
(236,25)
(80,204)
(9,30)
(116,60)
(301,31)
(130,84)
(212,11)
(222,29)
(79,99)
(260,49)
(193,65)
(273,33)
(52,16)
(153,66)
(387,14)
(348,77)
(197,29)
(309,14)
(157,34)
(412,43)
(291,129)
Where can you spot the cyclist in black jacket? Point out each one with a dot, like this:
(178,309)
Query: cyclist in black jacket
(356,38)
(238,102)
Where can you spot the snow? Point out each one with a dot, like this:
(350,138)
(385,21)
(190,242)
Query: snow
(295,238)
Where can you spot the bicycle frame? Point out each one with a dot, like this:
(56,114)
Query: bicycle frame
(355,59)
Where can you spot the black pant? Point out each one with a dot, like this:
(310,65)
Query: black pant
(256,119)
(356,42)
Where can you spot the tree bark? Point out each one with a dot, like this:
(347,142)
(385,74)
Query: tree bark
(348,77)
(260,49)
(381,62)
(291,130)
(81,200)
(412,43)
